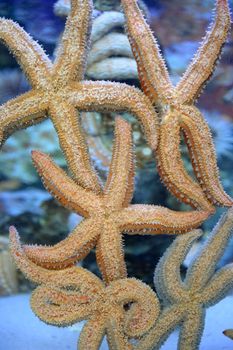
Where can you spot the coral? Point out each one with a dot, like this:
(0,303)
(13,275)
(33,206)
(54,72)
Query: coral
(14,161)
(177,110)
(8,276)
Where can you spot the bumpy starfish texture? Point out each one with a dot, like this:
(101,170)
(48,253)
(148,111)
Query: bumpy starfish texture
(177,111)
(67,296)
(186,300)
(107,215)
(58,89)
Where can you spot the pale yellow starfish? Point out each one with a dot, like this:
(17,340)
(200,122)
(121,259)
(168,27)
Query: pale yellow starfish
(177,112)
(107,215)
(58,89)
(74,294)
(186,300)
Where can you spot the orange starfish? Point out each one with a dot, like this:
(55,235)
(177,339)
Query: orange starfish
(74,294)
(58,89)
(177,112)
(107,215)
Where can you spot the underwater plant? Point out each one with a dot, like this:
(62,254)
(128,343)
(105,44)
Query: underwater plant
(124,309)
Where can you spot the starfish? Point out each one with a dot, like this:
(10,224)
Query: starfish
(228,333)
(107,215)
(58,89)
(68,296)
(177,111)
(186,300)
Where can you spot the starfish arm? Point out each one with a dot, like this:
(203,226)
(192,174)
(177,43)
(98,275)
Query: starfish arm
(203,63)
(119,186)
(63,188)
(204,265)
(218,286)
(202,152)
(151,219)
(102,96)
(167,322)
(77,275)
(71,59)
(144,305)
(110,253)
(192,328)
(152,70)
(167,278)
(28,53)
(20,112)
(70,250)
(58,306)
(73,144)
(115,331)
(171,167)
(92,333)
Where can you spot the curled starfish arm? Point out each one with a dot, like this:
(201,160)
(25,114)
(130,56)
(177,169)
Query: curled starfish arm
(63,188)
(144,309)
(37,274)
(72,141)
(203,63)
(110,253)
(152,69)
(119,186)
(115,332)
(27,109)
(203,155)
(102,95)
(71,59)
(70,250)
(203,267)
(192,328)
(28,53)
(58,306)
(151,219)
(218,286)
(171,167)
(167,278)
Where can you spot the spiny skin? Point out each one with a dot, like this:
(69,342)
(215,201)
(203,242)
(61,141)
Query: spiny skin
(58,89)
(177,111)
(106,215)
(67,296)
(186,300)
